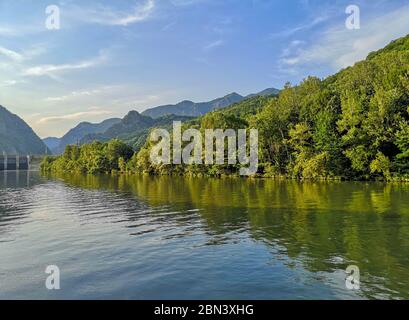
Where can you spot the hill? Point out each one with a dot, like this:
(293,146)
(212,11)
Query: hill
(76,134)
(16,136)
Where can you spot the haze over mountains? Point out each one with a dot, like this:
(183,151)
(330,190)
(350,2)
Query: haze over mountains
(134,127)
(74,136)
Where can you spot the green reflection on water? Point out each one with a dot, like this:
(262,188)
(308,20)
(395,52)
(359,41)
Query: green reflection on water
(324,225)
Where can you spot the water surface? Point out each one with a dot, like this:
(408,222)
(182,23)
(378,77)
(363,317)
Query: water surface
(138,237)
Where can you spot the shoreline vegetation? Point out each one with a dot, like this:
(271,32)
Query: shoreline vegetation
(353,125)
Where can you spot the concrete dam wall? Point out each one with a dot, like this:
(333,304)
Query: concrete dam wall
(12,163)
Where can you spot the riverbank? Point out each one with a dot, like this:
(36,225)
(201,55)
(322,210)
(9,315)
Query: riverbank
(234,176)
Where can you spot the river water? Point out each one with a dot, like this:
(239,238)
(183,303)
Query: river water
(139,237)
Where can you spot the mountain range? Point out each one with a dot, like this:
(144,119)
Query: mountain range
(16,136)
(134,127)
(192,109)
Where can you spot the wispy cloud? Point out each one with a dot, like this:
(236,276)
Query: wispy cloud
(8,31)
(12,63)
(72,95)
(74,116)
(9,83)
(213,45)
(52,70)
(108,16)
(13,55)
(289,32)
(339,47)
(220,25)
(140,13)
(24,55)
(168,26)
(82,93)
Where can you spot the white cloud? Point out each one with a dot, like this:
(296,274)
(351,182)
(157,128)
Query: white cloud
(340,47)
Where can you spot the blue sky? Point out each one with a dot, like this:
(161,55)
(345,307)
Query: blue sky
(110,57)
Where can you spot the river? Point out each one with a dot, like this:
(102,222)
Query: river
(140,237)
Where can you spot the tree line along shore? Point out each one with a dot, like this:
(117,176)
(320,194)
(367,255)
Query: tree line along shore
(353,125)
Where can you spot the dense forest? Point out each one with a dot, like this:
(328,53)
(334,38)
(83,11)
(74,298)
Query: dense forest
(352,125)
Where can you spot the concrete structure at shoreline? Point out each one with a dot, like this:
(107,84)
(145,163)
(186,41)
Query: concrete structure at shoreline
(14,162)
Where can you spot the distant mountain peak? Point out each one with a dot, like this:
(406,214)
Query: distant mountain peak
(233,94)
(83,124)
(265,92)
(136,121)
(134,116)
(133,112)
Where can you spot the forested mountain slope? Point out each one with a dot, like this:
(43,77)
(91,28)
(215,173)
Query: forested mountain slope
(352,125)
